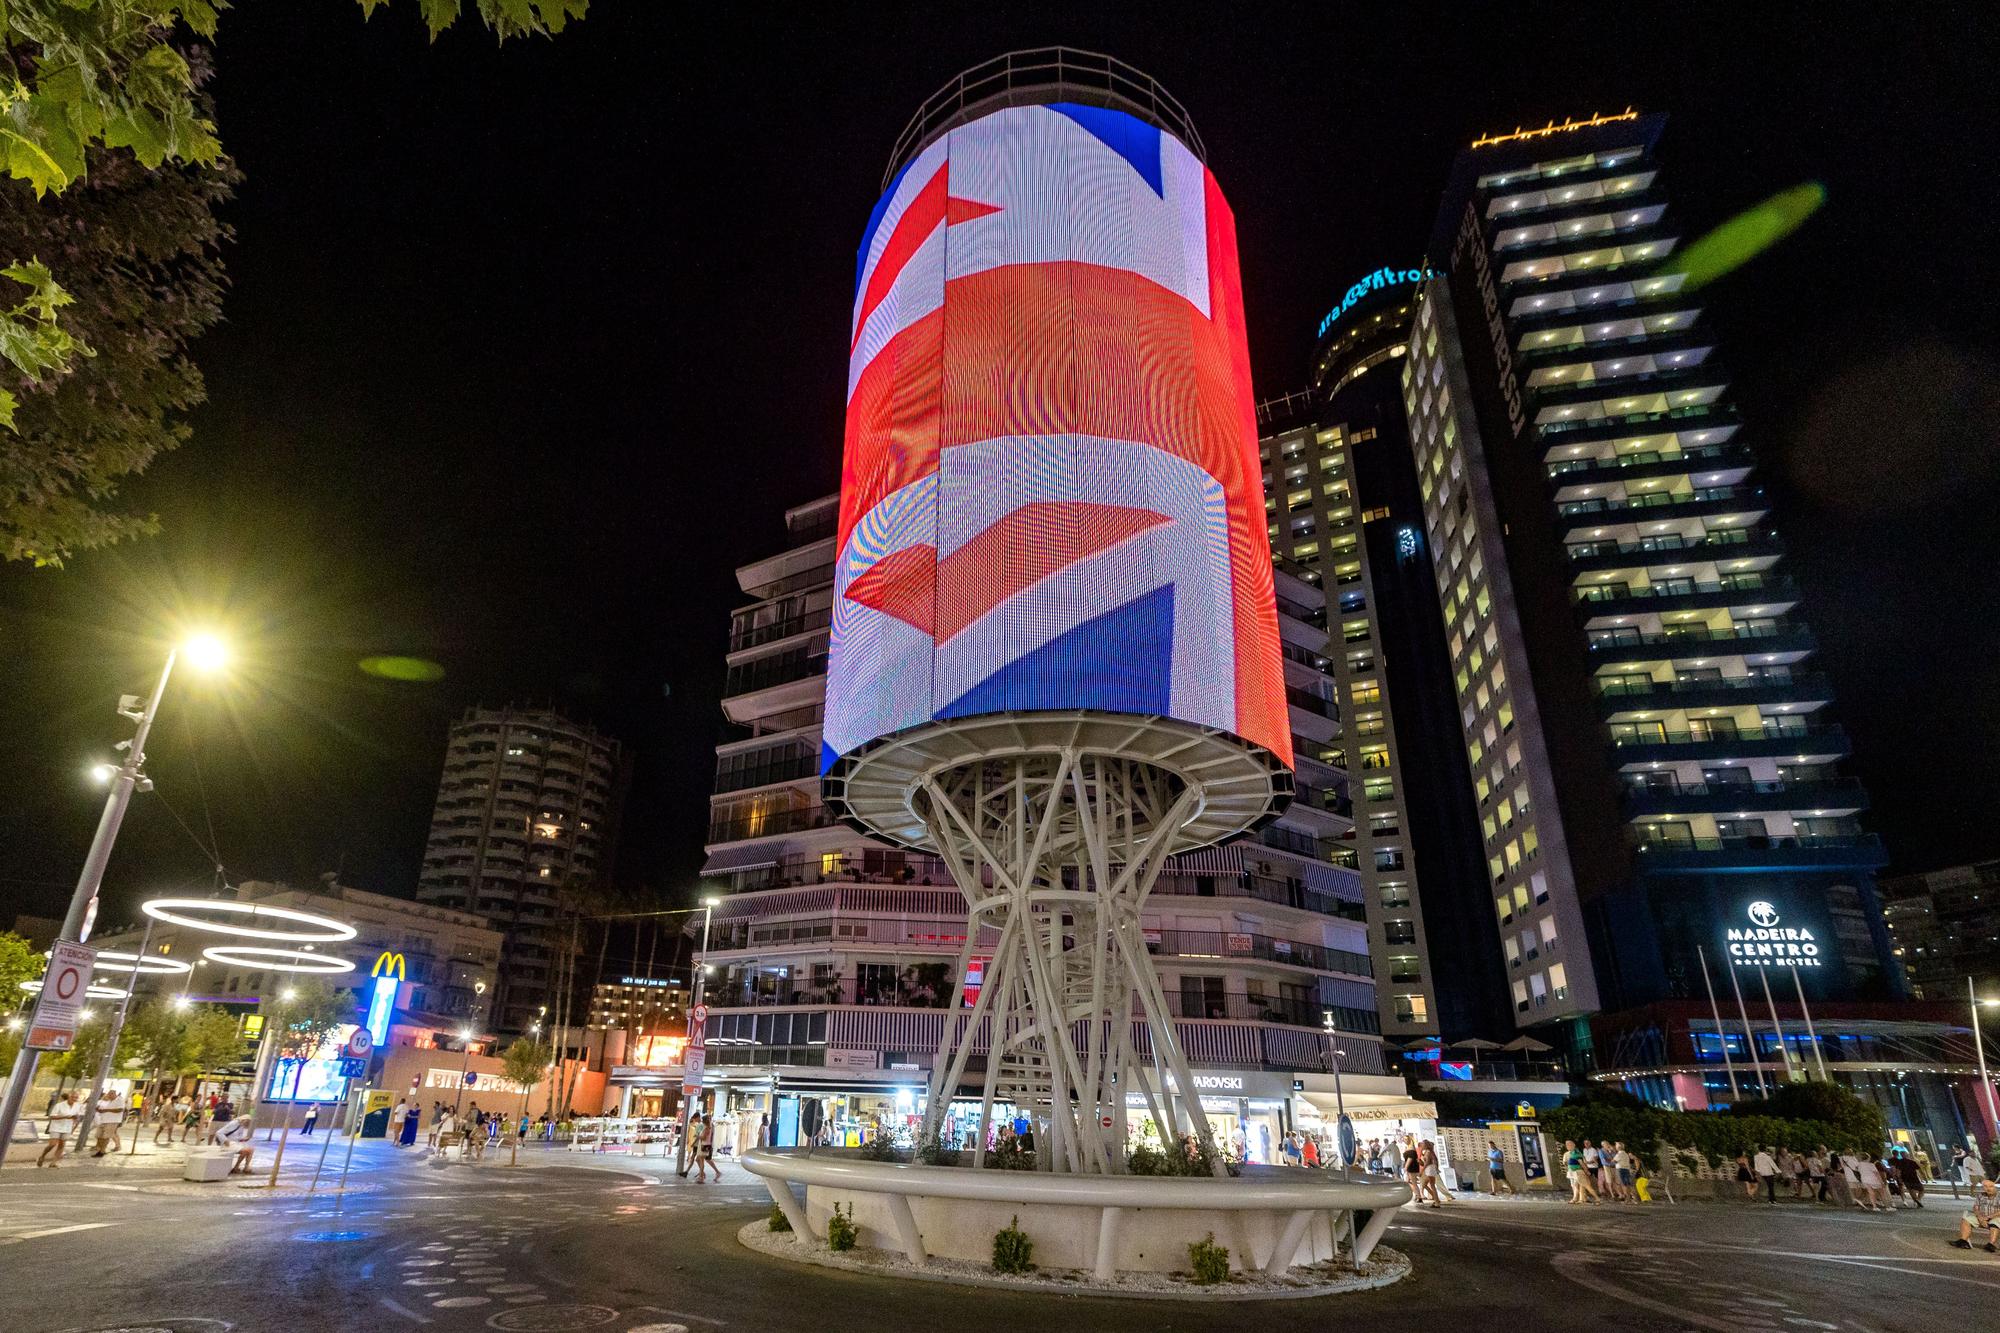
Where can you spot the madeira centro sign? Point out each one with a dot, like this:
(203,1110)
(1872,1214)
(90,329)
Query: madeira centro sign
(1767,943)
(1374,282)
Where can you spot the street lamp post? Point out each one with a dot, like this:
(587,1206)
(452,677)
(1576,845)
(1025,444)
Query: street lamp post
(202,651)
(1979,1045)
(116,1030)
(708,905)
(1339,1098)
(465,1045)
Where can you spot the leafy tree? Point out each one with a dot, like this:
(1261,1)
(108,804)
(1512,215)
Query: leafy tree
(19,961)
(526,1061)
(139,254)
(159,1036)
(109,92)
(112,74)
(80,1061)
(300,1022)
(214,1039)
(1856,1120)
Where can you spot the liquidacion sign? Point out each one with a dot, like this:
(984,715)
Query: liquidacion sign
(1374,282)
(1765,943)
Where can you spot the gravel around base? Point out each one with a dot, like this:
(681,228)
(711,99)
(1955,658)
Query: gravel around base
(1384,1266)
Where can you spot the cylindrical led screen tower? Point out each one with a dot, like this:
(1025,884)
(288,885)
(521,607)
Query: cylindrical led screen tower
(1054,645)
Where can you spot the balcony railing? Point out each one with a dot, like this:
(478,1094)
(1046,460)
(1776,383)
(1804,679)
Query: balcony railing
(788,769)
(1818,788)
(1762,843)
(1220,944)
(1650,457)
(778,821)
(1244,1006)
(765,672)
(1774,588)
(1631,638)
(1729,735)
(1284,893)
(1667,543)
(1801,684)
(1661,500)
(752,635)
(1312,703)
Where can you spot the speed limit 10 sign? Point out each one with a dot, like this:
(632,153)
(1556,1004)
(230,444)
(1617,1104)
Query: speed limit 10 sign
(64,987)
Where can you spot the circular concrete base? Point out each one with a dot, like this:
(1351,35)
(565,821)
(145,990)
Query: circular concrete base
(1331,1278)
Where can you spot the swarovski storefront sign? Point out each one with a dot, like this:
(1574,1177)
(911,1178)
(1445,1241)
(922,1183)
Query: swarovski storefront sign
(1767,942)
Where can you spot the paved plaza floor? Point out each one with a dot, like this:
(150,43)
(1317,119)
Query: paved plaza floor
(571,1241)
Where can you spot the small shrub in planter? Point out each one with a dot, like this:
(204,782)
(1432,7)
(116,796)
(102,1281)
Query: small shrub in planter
(1009,1155)
(778,1221)
(1209,1261)
(841,1233)
(932,1152)
(880,1148)
(1013,1252)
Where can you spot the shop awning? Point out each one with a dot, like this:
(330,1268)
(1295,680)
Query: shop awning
(1363,1109)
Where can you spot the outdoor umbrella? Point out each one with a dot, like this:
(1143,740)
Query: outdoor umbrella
(1527,1044)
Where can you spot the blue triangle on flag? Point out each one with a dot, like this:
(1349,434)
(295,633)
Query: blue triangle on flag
(1128,136)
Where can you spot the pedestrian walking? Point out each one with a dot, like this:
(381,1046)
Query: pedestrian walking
(312,1118)
(1593,1161)
(705,1150)
(1816,1172)
(1496,1169)
(1427,1160)
(1413,1169)
(1745,1176)
(1627,1168)
(1866,1179)
(172,1114)
(1607,1179)
(1983,1214)
(1581,1190)
(1911,1179)
(61,1123)
(1765,1164)
(1309,1151)
(110,1115)
(1957,1168)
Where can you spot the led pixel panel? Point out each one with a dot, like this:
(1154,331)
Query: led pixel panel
(1051,497)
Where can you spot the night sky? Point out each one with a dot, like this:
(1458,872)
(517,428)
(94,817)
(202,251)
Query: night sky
(529,347)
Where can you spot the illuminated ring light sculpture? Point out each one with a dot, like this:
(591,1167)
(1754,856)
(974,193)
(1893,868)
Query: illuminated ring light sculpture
(97,990)
(262,959)
(150,965)
(179,912)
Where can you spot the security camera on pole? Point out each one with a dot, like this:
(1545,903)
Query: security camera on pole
(206,653)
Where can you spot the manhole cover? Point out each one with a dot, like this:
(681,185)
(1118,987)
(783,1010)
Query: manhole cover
(552,1318)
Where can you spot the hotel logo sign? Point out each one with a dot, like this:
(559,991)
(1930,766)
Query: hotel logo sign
(1765,942)
(1471,244)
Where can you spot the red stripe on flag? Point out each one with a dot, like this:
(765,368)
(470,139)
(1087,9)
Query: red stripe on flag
(1030,544)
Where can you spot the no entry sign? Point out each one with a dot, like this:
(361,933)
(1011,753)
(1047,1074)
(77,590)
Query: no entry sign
(64,986)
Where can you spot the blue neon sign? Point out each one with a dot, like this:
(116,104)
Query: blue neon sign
(1374,282)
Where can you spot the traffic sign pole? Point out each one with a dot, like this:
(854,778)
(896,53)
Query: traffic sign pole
(83,902)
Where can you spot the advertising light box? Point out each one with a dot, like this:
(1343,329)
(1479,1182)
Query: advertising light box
(1051,497)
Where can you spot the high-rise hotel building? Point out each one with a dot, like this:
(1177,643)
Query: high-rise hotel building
(1345,514)
(1652,755)
(526,816)
(832,956)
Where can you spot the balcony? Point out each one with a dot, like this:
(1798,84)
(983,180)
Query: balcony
(1284,893)
(769,825)
(1813,743)
(1664,506)
(751,636)
(1264,948)
(1673,549)
(1842,796)
(1695,417)
(789,769)
(1245,1007)
(1775,593)
(1853,851)
(1631,645)
(1651,463)
(1617,695)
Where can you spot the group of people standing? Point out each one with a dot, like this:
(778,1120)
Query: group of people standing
(203,1119)
(1603,1170)
(1872,1183)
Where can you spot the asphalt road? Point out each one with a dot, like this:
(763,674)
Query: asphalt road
(621,1247)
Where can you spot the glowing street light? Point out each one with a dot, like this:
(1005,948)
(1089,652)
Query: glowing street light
(205,653)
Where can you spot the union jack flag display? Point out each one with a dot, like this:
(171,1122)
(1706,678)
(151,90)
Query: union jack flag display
(1051,497)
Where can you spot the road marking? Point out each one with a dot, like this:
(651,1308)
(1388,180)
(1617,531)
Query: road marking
(53,1231)
(1575,1265)
(676,1314)
(405,1311)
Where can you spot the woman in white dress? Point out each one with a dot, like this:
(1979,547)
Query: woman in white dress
(1866,1178)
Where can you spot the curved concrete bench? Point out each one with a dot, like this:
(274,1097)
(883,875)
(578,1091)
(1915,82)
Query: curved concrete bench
(1104,1223)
